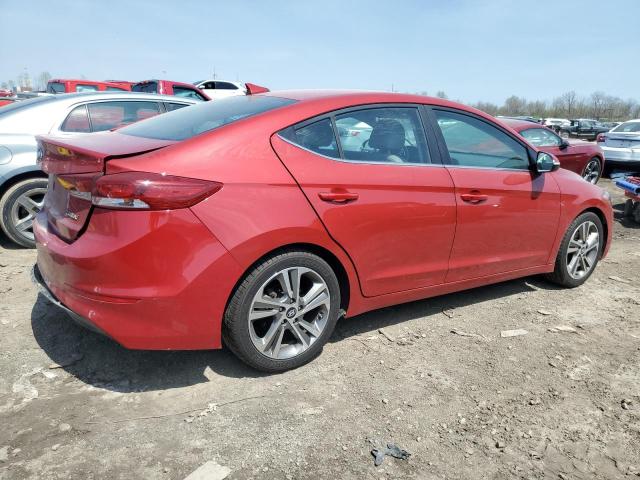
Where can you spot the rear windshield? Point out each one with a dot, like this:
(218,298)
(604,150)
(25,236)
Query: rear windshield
(147,87)
(55,87)
(189,122)
(628,127)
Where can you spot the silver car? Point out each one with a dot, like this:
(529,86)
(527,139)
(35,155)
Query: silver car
(621,146)
(22,183)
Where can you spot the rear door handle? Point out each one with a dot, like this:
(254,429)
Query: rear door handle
(338,197)
(473,198)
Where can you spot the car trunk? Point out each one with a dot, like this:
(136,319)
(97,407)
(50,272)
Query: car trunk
(622,140)
(73,166)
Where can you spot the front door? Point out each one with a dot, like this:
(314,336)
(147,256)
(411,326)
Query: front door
(380,191)
(507,215)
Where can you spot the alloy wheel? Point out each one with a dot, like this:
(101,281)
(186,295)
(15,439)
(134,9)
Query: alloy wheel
(583,250)
(24,210)
(289,312)
(592,171)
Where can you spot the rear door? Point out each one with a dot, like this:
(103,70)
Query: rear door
(380,190)
(507,215)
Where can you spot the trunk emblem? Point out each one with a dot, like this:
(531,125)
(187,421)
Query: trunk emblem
(71,215)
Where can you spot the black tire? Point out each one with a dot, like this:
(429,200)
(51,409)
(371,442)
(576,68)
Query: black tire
(235,327)
(629,207)
(560,274)
(564,134)
(29,186)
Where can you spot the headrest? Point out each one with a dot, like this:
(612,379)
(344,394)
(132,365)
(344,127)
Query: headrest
(387,134)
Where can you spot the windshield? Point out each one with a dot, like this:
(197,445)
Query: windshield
(189,122)
(55,87)
(628,127)
(146,87)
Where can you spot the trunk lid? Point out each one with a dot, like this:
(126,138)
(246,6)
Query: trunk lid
(622,140)
(73,165)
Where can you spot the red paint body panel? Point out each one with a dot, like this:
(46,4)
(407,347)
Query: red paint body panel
(71,85)
(400,228)
(161,280)
(150,280)
(496,236)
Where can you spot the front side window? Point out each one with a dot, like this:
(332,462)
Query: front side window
(226,86)
(585,125)
(203,117)
(541,137)
(389,135)
(109,115)
(475,143)
(77,121)
(80,87)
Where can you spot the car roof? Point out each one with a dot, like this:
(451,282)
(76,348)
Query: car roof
(61,97)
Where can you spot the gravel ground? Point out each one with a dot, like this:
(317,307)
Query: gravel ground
(548,404)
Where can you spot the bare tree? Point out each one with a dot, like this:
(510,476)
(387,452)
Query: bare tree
(43,79)
(569,100)
(441,94)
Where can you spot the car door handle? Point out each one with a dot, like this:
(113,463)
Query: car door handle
(338,197)
(473,198)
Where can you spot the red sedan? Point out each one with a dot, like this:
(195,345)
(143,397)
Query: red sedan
(258,221)
(586,159)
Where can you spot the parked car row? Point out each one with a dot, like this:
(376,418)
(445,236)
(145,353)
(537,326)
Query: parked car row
(259,220)
(22,182)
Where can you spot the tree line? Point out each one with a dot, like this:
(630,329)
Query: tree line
(598,105)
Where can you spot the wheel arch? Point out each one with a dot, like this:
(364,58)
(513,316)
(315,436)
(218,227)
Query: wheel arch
(322,252)
(19,177)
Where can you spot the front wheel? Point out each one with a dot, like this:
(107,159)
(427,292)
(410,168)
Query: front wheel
(564,134)
(592,171)
(283,312)
(579,251)
(18,208)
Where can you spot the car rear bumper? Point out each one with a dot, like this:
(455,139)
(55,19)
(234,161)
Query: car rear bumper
(149,280)
(621,155)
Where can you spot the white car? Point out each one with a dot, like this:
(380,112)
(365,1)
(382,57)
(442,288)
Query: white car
(621,146)
(221,88)
(556,123)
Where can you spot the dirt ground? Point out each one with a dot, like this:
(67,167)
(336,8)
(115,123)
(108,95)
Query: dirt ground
(549,404)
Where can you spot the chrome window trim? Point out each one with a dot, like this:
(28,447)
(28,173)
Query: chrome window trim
(356,162)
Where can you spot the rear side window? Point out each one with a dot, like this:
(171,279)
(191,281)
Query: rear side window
(226,86)
(55,87)
(204,117)
(388,135)
(186,93)
(474,143)
(317,137)
(171,106)
(108,115)
(86,88)
(77,121)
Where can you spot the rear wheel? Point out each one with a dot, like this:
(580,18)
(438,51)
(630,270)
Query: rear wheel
(579,251)
(564,134)
(18,209)
(592,171)
(283,312)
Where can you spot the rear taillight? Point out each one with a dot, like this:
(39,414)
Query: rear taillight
(150,191)
(79,186)
(600,138)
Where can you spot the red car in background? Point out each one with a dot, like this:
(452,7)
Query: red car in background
(169,87)
(60,85)
(586,159)
(251,221)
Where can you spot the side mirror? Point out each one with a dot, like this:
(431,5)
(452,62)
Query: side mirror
(546,162)
(563,144)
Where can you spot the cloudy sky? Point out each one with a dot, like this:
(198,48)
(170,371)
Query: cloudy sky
(473,50)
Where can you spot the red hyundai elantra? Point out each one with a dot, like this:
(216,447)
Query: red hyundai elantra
(258,221)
